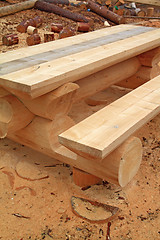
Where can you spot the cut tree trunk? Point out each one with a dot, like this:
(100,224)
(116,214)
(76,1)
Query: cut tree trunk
(63,2)
(4,11)
(43,134)
(52,8)
(104,12)
(105,78)
(10,39)
(112,168)
(150,58)
(53,104)
(143,75)
(13,115)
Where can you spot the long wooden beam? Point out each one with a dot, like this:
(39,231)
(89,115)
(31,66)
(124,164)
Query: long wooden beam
(81,61)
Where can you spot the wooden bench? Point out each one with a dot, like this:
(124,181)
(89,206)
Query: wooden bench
(39,85)
(102,132)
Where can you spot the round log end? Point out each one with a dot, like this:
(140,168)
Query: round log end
(3,130)
(130,160)
(6,111)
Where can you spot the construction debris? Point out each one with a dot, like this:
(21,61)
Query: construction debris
(22,27)
(33,39)
(31,30)
(56,27)
(93,211)
(83,27)
(10,39)
(66,32)
(48,37)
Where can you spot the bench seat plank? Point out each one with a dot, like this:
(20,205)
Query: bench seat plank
(104,131)
(69,64)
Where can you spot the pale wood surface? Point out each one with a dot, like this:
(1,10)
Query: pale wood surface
(101,133)
(56,103)
(101,80)
(111,168)
(150,58)
(150,2)
(13,115)
(35,71)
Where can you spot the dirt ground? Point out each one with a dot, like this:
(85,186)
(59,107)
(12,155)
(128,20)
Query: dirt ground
(36,190)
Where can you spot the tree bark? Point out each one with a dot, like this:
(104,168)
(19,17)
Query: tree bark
(63,2)
(104,12)
(4,11)
(52,8)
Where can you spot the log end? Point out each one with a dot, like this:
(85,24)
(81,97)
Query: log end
(130,160)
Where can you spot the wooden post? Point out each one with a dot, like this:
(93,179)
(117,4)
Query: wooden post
(83,179)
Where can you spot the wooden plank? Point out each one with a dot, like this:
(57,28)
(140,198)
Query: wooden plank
(58,44)
(56,53)
(35,82)
(150,2)
(104,131)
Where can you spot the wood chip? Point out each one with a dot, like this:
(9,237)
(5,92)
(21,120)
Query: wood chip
(93,211)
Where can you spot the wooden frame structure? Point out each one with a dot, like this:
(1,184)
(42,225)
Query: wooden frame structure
(39,85)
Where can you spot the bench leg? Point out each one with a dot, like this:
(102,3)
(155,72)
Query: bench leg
(84,179)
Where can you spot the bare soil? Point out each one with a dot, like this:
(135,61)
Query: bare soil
(36,190)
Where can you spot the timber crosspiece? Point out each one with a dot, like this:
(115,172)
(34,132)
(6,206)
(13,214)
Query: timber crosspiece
(40,84)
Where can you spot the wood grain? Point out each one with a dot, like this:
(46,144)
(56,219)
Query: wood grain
(101,133)
(68,64)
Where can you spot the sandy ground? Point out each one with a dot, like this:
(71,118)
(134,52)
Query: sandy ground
(36,190)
